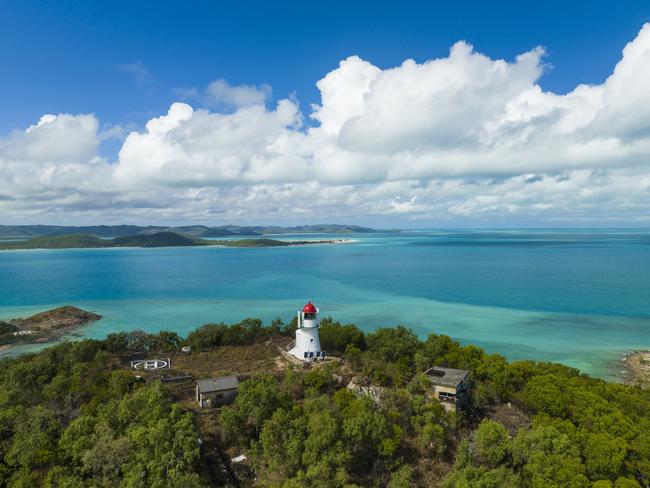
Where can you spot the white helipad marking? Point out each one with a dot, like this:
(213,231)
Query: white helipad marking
(151,364)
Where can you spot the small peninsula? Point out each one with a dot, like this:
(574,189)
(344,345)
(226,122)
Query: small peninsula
(44,326)
(159,239)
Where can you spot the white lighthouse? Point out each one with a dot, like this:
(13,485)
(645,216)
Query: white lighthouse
(307,345)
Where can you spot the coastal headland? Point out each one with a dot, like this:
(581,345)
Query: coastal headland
(525,421)
(44,327)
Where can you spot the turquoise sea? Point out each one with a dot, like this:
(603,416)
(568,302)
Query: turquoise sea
(580,297)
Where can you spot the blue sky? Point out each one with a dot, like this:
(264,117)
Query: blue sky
(65,56)
(125,63)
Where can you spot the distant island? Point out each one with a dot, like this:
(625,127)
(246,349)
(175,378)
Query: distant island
(111,231)
(45,326)
(160,239)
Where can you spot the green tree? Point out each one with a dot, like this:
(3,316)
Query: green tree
(169,341)
(353,356)
(367,433)
(604,456)
(431,439)
(402,477)
(471,477)
(33,446)
(638,460)
(257,399)
(335,338)
(392,344)
(281,444)
(492,441)
(548,458)
(546,394)
(626,483)
(206,337)
(602,484)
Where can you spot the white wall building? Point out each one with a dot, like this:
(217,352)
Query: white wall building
(307,345)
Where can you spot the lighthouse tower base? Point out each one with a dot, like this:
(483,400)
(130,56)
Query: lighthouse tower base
(307,345)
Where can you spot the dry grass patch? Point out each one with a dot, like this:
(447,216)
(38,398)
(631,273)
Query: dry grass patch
(230,360)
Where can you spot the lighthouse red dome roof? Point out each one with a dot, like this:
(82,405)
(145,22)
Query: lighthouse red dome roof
(309,308)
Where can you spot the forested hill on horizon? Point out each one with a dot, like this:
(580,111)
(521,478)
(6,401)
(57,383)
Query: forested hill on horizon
(28,231)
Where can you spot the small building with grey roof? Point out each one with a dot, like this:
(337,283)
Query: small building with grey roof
(212,392)
(450,386)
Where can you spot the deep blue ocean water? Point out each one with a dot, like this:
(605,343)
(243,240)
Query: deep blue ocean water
(580,297)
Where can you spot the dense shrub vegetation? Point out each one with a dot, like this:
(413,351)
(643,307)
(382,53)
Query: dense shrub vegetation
(7,333)
(243,333)
(71,416)
(69,419)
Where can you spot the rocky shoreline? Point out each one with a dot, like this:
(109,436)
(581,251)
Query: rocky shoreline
(43,327)
(636,365)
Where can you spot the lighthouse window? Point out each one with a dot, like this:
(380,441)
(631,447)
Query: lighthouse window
(306,355)
(311,354)
(310,316)
(311,340)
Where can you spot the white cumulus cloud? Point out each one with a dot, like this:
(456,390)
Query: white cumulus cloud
(190,147)
(220,91)
(221,94)
(460,137)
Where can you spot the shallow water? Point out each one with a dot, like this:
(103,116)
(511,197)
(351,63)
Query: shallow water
(580,297)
